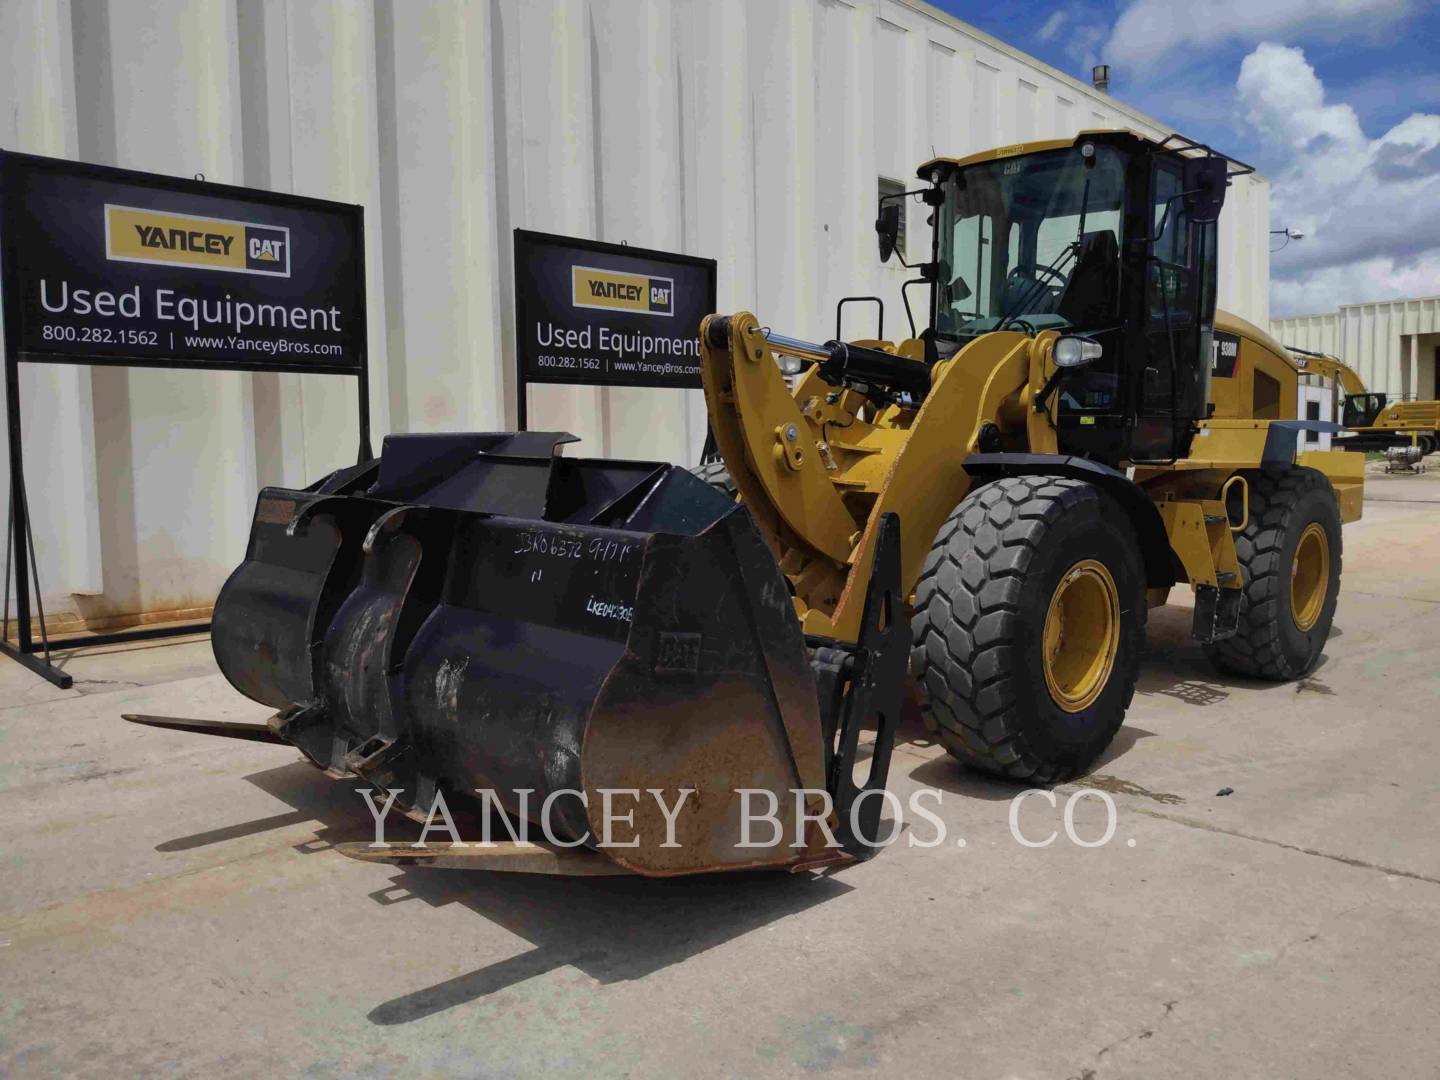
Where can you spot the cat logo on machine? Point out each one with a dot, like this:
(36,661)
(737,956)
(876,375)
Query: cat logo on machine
(237,247)
(1224,353)
(613,290)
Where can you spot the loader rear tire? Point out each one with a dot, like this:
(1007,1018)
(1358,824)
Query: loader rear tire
(1003,686)
(1289,553)
(716,475)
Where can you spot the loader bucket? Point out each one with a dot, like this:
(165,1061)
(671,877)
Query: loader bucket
(479,613)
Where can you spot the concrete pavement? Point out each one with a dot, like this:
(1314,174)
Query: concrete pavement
(169,903)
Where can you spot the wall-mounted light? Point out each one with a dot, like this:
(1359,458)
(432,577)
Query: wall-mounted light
(1288,235)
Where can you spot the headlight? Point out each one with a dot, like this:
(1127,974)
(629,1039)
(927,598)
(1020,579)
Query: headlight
(789,365)
(1074,352)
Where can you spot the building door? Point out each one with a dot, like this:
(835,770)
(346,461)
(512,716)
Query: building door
(1315,404)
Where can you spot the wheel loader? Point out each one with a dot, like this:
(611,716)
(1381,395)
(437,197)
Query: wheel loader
(990,504)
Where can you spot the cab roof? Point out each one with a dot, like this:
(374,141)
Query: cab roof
(1174,143)
(1017,149)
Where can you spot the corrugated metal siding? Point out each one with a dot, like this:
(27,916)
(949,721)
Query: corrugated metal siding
(1376,339)
(750,131)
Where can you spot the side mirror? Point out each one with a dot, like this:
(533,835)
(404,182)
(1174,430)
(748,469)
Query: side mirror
(1205,182)
(887,228)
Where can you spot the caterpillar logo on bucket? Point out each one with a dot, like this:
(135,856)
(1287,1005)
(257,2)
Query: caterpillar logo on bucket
(150,236)
(612,290)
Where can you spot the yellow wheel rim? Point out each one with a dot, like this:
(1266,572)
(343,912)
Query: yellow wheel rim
(1310,576)
(1082,635)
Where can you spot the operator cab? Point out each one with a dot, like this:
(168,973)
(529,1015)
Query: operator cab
(1109,239)
(1361,410)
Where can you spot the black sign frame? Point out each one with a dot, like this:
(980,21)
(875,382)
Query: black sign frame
(20,540)
(522,378)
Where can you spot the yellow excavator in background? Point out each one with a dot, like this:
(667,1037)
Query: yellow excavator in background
(1371,420)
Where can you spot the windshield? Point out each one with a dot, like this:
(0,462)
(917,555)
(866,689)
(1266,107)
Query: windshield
(1032,241)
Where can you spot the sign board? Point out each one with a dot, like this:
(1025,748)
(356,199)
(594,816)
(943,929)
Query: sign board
(608,314)
(107,265)
(114,267)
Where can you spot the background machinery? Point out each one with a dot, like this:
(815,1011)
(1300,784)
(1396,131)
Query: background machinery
(1371,420)
(996,499)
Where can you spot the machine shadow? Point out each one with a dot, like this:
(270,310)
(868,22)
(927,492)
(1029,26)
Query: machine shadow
(1175,666)
(623,928)
(940,770)
(949,775)
(611,929)
(924,761)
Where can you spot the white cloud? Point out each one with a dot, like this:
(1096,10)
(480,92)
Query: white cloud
(1149,30)
(1052,25)
(1077,28)
(1366,206)
(1325,290)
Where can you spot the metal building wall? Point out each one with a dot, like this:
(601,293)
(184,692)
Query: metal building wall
(1391,344)
(750,131)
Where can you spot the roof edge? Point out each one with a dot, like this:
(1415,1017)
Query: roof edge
(1357,304)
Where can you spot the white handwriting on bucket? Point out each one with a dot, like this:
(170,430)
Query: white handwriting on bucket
(599,549)
(608,610)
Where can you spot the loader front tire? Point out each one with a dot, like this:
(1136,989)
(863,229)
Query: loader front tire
(1289,554)
(1028,629)
(716,475)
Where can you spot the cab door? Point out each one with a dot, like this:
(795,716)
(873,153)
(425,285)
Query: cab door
(1172,376)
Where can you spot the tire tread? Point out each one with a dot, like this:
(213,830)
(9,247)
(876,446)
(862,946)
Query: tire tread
(966,623)
(716,475)
(1256,650)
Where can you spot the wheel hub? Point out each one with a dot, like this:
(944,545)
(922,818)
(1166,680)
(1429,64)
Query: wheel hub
(1310,576)
(1081,635)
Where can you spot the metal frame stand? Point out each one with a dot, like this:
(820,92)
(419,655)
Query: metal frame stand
(20,551)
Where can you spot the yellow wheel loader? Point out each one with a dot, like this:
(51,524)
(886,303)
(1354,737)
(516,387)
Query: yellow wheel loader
(663,674)
(1074,432)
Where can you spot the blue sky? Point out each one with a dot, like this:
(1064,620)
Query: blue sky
(1336,101)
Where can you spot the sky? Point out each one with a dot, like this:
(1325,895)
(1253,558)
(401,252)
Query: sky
(1337,102)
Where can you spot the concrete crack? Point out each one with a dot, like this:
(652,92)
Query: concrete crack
(1134,1036)
(1347,860)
